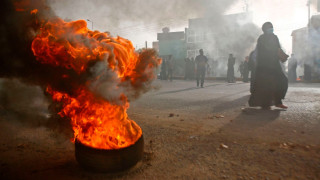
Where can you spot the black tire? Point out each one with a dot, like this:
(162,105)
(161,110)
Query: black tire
(102,160)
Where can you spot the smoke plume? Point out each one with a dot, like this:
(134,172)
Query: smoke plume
(21,25)
(113,14)
(140,20)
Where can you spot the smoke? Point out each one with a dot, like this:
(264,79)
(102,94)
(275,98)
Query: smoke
(19,28)
(106,84)
(19,97)
(138,20)
(306,47)
(113,14)
(235,38)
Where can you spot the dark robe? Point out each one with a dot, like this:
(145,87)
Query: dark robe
(252,67)
(245,71)
(270,83)
(163,73)
(292,70)
(230,71)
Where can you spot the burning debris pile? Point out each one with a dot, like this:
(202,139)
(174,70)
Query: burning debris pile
(90,73)
(106,65)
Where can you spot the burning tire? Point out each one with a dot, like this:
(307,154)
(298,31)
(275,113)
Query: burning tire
(105,160)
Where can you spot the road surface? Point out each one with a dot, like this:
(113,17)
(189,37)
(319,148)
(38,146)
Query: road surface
(190,133)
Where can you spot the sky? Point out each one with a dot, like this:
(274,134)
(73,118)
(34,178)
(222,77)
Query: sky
(141,21)
(286,16)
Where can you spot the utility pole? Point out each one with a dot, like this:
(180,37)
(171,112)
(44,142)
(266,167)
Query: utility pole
(309,21)
(246,3)
(91,23)
(307,66)
(309,12)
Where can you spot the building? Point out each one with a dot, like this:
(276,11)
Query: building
(155,45)
(306,46)
(219,37)
(299,42)
(172,45)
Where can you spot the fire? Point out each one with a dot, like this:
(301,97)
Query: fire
(35,11)
(71,45)
(98,123)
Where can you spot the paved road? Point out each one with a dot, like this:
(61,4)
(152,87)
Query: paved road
(190,133)
(228,99)
(262,144)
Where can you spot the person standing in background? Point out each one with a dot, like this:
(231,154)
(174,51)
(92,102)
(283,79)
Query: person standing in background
(230,72)
(163,73)
(201,63)
(252,67)
(170,68)
(240,69)
(292,69)
(192,68)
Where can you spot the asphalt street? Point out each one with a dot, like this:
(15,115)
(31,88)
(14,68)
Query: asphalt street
(190,133)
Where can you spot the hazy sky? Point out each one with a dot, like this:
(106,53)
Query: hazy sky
(140,21)
(286,16)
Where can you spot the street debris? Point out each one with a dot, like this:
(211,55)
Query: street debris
(284,146)
(216,116)
(223,146)
(193,137)
(291,146)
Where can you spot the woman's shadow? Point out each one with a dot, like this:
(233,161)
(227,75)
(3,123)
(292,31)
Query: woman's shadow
(252,120)
(249,118)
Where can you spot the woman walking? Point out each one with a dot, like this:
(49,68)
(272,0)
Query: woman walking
(270,83)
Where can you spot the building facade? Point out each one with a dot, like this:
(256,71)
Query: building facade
(219,37)
(172,46)
(306,47)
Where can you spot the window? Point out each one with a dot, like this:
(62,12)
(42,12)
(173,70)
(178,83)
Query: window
(196,36)
(191,36)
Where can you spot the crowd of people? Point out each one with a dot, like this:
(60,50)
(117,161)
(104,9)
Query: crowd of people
(268,80)
(166,72)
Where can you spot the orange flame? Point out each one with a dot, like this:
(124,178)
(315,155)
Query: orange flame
(98,123)
(35,11)
(71,45)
